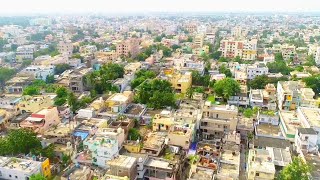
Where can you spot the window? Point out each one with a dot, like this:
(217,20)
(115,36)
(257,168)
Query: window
(16,177)
(10,175)
(257,174)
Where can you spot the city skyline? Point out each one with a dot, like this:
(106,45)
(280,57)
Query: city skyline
(145,6)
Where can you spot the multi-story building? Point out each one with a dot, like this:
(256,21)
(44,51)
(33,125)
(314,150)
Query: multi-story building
(25,52)
(256,69)
(191,28)
(181,82)
(246,50)
(198,41)
(218,120)
(289,123)
(259,165)
(310,119)
(76,80)
(157,168)
(42,120)
(9,103)
(123,166)
(103,148)
(128,48)
(288,51)
(65,48)
(292,94)
(118,101)
(39,72)
(88,49)
(306,140)
(180,135)
(12,168)
(17,84)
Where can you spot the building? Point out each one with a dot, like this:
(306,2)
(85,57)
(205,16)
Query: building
(42,120)
(123,166)
(198,41)
(128,48)
(259,165)
(154,143)
(65,48)
(256,69)
(17,84)
(246,49)
(33,104)
(289,123)
(162,122)
(256,98)
(39,72)
(181,136)
(157,168)
(292,94)
(25,52)
(306,140)
(9,103)
(181,82)
(218,120)
(76,80)
(118,101)
(21,169)
(310,118)
(103,148)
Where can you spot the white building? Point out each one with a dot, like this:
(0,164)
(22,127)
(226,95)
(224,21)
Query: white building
(18,169)
(306,140)
(257,69)
(310,118)
(102,148)
(25,52)
(39,72)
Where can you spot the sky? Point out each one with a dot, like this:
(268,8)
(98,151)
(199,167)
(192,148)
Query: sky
(128,6)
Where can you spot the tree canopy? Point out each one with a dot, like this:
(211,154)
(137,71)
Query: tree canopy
(296,170)
(226,87)
(133,134)
(141,76)
(313,82)
(100,80)
(60,68)
(37,177)
(155,93)
(5,74)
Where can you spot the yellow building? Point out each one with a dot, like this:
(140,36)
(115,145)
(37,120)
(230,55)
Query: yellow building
(181,82)
(132,146)
(199,51)
(45,168)
(118,101)
(162,122)
(34,103)
(249,54)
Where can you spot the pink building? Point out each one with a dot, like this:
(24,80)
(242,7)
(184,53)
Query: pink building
(42,120)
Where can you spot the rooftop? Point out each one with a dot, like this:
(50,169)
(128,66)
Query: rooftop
(268,130)
(312,115)
(21,164)
(290,121)
(123,161)
(154,140)
(159,163)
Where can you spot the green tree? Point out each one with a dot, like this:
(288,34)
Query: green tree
(313,82)
(50,79)
(5,74)
(37,177)
(310,61)
(199,80)
(60,68)
(133,134)
(190,39)
(259,82)
(224,70)
(296,170)
(142,57)
(216,55)
(278,56)
(248,113)
(279,66)
(175,47)
(155,93)
(190,92)
(21,141)
(26,63)
(31,90)
(226,88)
(72,101)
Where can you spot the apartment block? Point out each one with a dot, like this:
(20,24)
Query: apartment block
(128,48)
(65,48)
(218,120)
(25,52)
(38,72)
(256,69)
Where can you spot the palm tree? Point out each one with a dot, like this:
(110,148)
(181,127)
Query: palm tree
(190,92)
